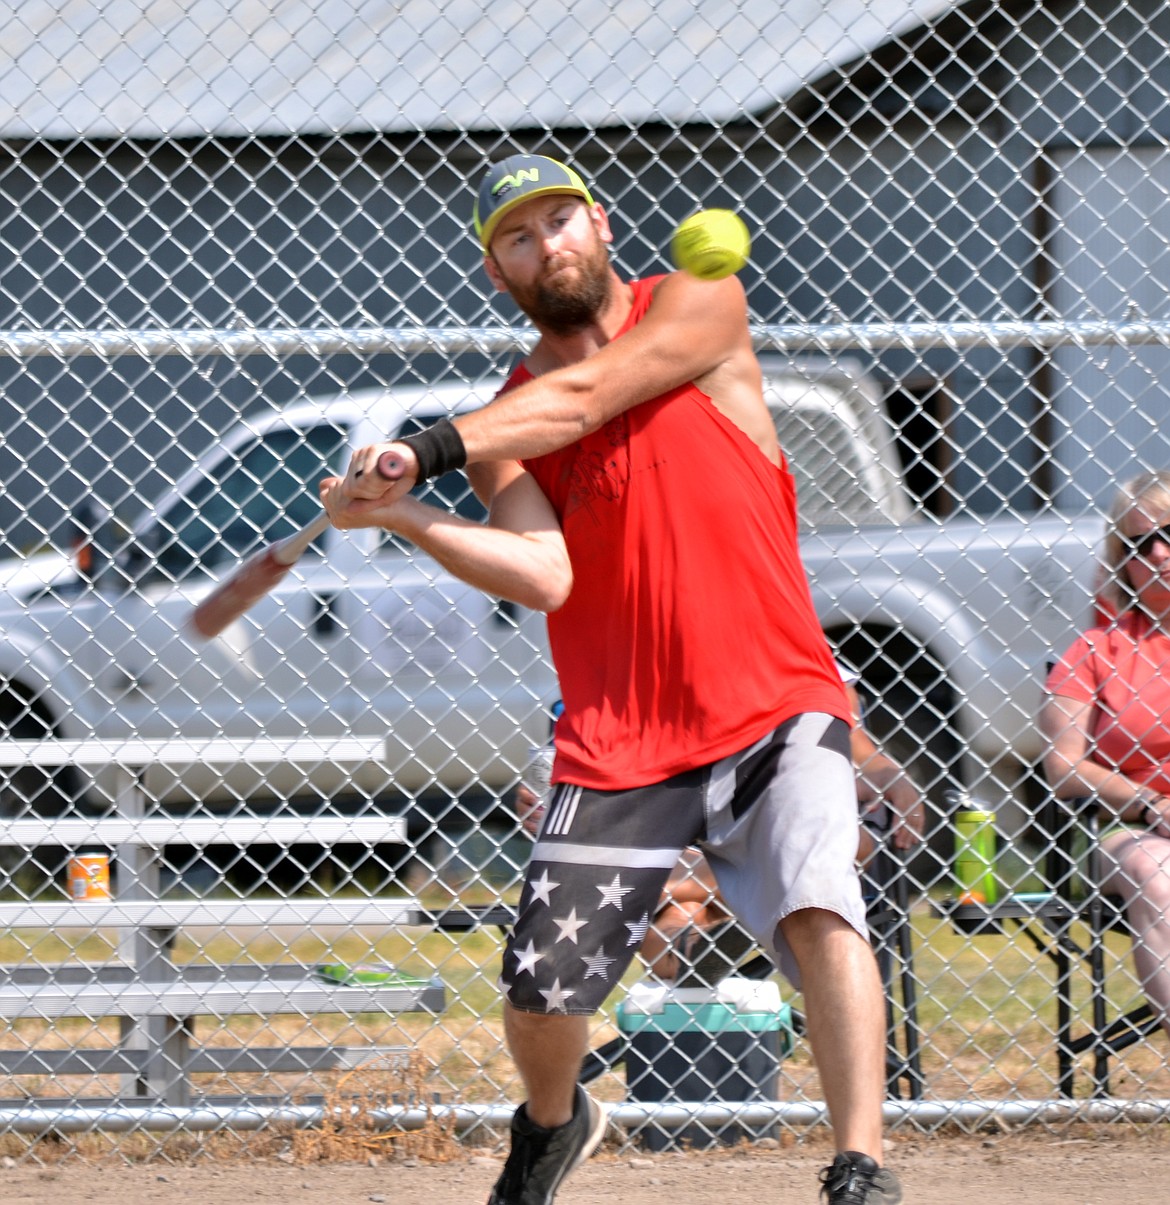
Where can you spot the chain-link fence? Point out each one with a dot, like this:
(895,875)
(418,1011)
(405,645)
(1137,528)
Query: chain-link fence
(235,244)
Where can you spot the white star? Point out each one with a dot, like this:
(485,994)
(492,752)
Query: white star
(542,888)
(568,926)
(555,998)
(613,893)
(638,929)
(598,964)
(526,960)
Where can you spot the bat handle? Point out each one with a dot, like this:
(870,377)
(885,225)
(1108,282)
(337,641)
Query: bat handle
(391,466)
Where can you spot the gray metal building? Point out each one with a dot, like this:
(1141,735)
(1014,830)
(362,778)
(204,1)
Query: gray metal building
(309,165)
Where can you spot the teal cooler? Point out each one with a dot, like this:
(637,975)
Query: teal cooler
(705,1045)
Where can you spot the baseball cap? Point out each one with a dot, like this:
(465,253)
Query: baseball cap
(517,179)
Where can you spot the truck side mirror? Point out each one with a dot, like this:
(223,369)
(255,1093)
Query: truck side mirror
(102,554)
(90,541)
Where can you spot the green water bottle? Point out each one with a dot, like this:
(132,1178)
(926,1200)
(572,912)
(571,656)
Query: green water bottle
(975,852)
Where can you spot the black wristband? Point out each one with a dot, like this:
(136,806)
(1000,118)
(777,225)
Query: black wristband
(439,449)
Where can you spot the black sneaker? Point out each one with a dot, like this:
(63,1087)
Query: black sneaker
(540,1159)
(856,1179)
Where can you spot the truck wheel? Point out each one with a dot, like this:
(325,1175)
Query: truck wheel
(31,791)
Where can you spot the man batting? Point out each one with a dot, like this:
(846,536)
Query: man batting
(637,494)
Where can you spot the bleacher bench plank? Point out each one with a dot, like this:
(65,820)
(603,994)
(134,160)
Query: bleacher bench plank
(215,1060)
(183,999)
(201,831)
(98,752)
(300,912)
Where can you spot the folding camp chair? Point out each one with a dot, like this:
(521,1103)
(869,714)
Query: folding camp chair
(1068,924)
(1074,870)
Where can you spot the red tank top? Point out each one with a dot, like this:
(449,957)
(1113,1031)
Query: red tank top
(690,631)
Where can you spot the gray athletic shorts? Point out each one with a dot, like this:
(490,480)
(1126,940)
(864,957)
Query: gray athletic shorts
(777,823)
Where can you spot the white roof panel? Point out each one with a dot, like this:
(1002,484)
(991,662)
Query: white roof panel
(159,68)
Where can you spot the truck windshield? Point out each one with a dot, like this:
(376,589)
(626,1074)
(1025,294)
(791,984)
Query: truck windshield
(263,491)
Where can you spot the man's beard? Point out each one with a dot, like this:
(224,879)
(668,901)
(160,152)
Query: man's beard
(570,302)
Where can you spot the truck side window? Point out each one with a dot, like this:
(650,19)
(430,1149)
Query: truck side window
(265,491)
(822,456)
(835,484)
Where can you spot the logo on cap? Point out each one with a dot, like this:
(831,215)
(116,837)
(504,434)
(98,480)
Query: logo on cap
(517,179)
(532,176)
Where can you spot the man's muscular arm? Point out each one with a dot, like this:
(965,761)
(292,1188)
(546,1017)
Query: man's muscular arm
(519,554)
(693,331)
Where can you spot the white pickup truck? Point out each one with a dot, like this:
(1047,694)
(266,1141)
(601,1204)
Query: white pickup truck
(948,623)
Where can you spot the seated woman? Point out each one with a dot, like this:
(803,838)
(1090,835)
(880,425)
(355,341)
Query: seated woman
(692,928)
(1107,722)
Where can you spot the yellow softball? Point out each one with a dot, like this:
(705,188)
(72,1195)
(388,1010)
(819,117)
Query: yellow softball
(711,244)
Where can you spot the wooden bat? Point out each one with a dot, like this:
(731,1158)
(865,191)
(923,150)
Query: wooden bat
(252,580)
(264,569)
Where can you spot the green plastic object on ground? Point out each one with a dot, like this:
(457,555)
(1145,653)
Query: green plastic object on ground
(366,975)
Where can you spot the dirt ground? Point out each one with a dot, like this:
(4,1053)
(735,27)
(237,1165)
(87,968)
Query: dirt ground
(1102,1167)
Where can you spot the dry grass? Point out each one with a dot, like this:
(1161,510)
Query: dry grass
(351,1129)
